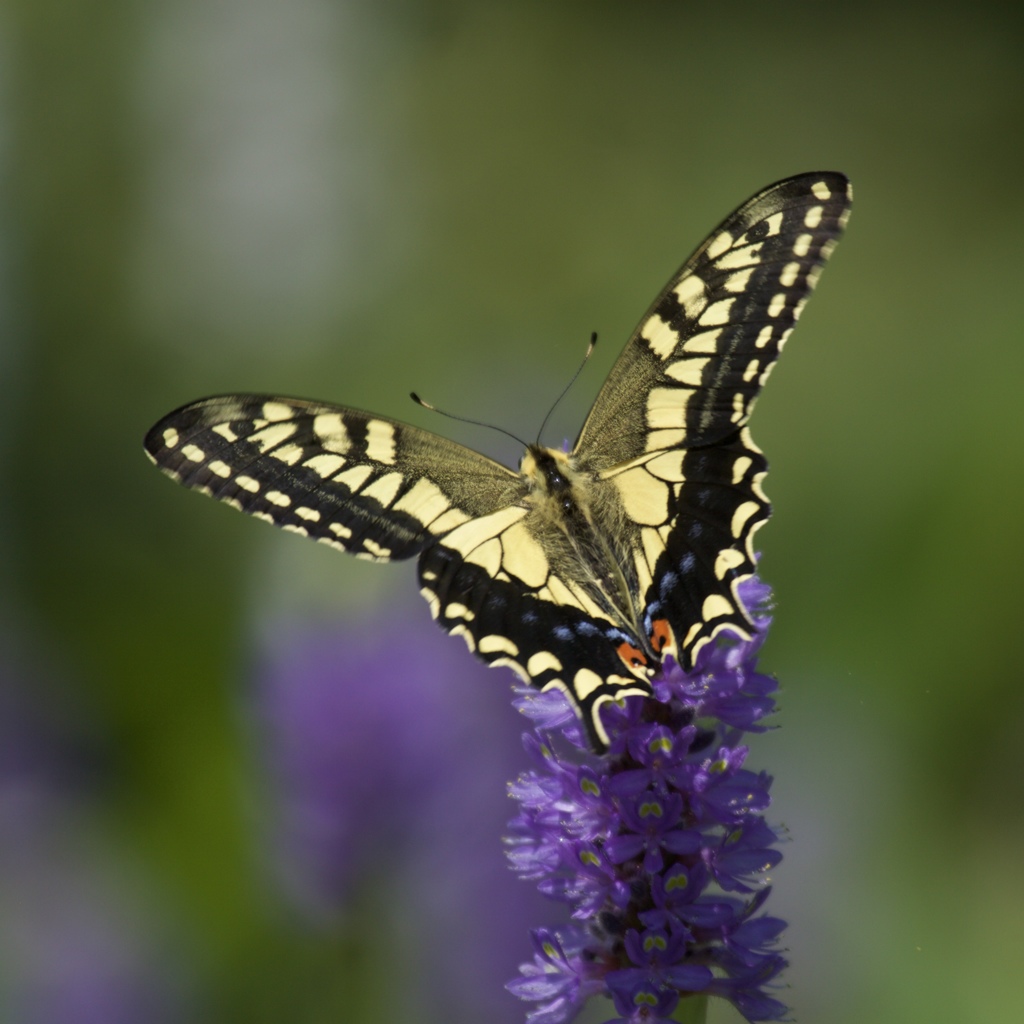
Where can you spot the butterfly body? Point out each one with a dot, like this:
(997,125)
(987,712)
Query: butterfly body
(585,569)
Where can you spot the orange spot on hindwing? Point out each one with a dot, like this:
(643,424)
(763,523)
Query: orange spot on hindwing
(632,657)
(661,635)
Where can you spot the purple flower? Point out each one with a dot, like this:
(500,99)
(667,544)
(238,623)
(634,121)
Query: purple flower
(77,945)
(659,847)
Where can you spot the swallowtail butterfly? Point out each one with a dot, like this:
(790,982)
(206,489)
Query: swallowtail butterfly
(581,570)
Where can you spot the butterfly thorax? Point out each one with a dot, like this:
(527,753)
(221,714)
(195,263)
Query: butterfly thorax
(575,521)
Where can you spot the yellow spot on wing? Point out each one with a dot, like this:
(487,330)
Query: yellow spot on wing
(740,467)
(728,559)
(741,516)
(688,371)
(384,489)
(170,437)
(585,682)
(289,453)
(470,535)
(193,453)
(666,407)
(354,478)
(247,483)
(644,496)
(715,606)
(717,312)
(277,411)
(271,437)
(543,661)
(495,643)
(330,430)
(449,520)
(424,500)
(221,469)
(719,244)
(380,441)
(660,337)
(523,556)
(325,465)
(701,343)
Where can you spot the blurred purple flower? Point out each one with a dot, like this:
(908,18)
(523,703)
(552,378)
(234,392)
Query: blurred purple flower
(659,846)
(76,943)
(389,749)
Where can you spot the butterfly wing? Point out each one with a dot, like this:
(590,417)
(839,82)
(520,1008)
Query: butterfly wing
(668,429)
(360,483)
(384,490)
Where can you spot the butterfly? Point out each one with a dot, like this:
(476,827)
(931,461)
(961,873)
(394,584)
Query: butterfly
(582,570)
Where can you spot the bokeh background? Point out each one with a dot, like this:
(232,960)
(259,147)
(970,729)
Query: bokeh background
(348,200)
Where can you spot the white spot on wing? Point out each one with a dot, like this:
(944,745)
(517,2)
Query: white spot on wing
(247,483)
(821,190)
(171,437)
(221,469)
(193,453)
(813,216)
(278,498)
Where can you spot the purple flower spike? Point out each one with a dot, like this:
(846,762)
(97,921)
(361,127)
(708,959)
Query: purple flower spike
(659,847)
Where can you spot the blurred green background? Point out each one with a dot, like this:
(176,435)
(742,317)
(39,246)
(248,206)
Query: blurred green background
(350,200)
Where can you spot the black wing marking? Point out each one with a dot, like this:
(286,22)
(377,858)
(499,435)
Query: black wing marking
(361,483)
(690,372)
(548,643)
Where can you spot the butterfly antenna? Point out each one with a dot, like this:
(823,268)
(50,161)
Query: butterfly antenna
(565,390)
(465,419)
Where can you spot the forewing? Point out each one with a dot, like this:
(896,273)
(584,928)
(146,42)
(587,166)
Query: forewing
(689,374)
(361,483)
